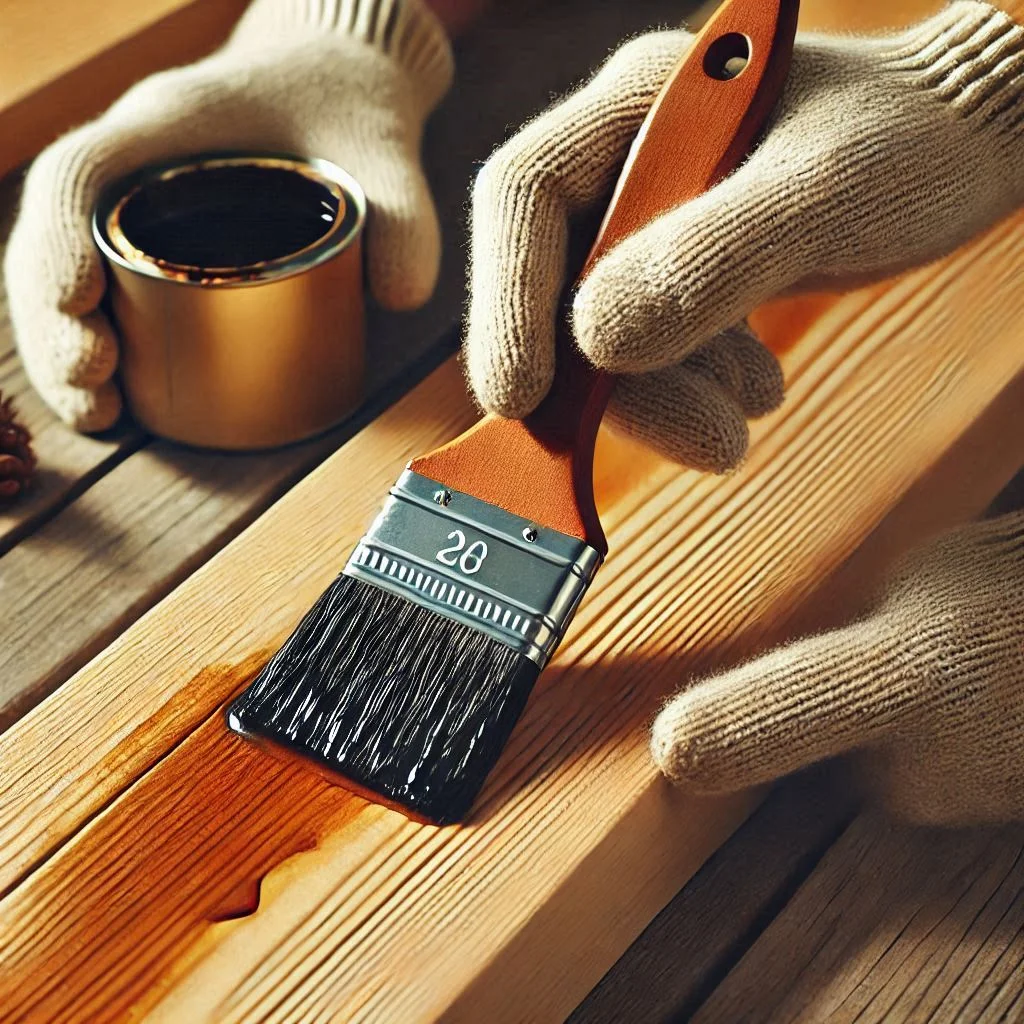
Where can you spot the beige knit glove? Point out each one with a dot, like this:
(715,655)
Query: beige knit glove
(351,81)
(884,153)
(929,689)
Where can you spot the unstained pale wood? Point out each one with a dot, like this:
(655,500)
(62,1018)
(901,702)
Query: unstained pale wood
(65,62)
(111,815)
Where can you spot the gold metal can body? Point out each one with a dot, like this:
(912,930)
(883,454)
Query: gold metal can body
(253,357)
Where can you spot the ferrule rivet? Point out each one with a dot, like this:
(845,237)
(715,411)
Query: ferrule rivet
(530,533)
(442,497)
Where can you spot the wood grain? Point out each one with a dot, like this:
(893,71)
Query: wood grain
(691,945)
(136,531)
(68,462)
(577,842)
(687,950)
(894,924)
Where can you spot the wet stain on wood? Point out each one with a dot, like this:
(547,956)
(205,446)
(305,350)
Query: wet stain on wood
(186,846)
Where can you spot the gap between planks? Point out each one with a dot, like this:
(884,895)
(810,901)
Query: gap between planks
(895,923)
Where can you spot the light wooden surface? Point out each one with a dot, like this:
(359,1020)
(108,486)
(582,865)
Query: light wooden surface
(64,61)
(128,803)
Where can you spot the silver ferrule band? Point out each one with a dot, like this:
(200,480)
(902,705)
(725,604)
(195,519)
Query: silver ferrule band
(473,562)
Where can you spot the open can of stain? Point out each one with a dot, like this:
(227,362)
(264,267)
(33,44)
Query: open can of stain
(236,286)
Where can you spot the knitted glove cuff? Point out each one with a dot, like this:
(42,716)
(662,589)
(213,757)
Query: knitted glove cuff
(971,55)
(407,31)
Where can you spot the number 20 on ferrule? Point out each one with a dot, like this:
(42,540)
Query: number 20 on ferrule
(467,559)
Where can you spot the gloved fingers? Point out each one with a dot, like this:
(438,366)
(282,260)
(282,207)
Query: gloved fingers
(54,273)
(86,409)
(51,262)
(666,290)
(403,236)
(813,699)
(84,349)
(563,162)
(696,411)
(684,415)
(736,360)
(73,372)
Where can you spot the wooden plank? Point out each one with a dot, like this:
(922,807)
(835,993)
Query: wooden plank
(894,924)
(699,937)
(122,536)
(65,62)
(129,539)
(692,944)
(67,461)
(106,820)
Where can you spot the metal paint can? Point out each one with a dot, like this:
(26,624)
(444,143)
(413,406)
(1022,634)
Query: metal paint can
(236,285)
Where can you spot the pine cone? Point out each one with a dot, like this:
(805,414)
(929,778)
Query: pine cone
(17,460)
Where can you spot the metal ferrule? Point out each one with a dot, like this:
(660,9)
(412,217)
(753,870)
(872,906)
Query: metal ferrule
(473,562)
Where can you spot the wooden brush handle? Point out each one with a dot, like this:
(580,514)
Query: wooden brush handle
(698,130)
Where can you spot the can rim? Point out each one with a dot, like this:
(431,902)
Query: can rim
(345,230)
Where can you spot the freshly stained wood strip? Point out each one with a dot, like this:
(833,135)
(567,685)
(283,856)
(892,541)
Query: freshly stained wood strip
(577,842)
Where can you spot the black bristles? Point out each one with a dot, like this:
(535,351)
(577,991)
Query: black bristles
(391,696)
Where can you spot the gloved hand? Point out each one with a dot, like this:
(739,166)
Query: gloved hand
(928,689)
(351,81)
(884,153)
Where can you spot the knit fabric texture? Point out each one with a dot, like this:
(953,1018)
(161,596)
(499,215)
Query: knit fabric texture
(884,153)
(351,81)
(928,691)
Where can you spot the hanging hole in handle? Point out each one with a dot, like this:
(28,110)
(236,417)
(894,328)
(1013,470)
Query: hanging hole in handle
(727,56)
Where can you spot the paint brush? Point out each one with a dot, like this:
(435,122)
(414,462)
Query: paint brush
(406,678)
